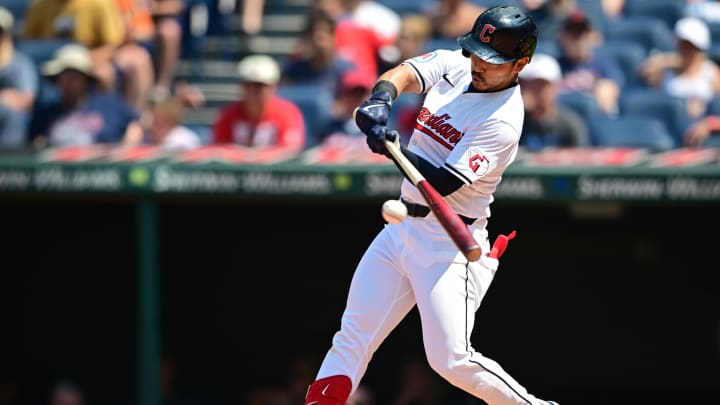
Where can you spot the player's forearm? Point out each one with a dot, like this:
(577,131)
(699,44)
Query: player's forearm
(403,78)
(444,182)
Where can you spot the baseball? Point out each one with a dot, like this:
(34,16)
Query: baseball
(394,211)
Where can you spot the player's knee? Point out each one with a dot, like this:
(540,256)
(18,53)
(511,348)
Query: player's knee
(445,362)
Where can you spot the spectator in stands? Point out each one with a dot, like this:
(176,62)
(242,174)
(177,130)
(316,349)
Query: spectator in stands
(261,118)
(166,127)
(355,89)
(688,72)
(139,29)
(66,393)
(168,43)
(549,16)
(316,62)
(706,10)
(84,115)
(97,24)
(363,29)
(452,18)
(18,87)
(415,31)
(613,9)
(583,69)
(701,130)
(383,20)
(251,18)
(548,124)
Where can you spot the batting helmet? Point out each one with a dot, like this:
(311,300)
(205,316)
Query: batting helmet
(501,34)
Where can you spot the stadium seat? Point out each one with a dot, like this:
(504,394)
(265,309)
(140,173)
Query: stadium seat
(668,11)
(440,43)
(594,11)
(493,3)
(40,50)
(714,28)
(403,7)
(654,103)
(713,107)
(17,8)
(315,104)
(630,56)
(714,53)
(631,132)
(583,104)
(549,48)
(712,142)
(650,32)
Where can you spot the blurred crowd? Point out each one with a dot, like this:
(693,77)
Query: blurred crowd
(617,73)
(415,384)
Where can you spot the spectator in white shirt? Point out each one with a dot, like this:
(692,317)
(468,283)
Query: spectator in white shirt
(166,129)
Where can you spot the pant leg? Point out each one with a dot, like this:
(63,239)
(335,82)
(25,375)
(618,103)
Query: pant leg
(379,298)
(448,291)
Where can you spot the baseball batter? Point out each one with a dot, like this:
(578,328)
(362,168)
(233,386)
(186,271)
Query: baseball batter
(466,135)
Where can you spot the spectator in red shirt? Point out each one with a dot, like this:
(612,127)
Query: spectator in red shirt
(363,30)
(261,119)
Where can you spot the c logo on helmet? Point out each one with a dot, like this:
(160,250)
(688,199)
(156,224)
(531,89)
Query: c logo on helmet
(486,29)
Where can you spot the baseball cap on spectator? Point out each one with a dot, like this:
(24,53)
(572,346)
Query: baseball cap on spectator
(70,57)
(259,69)
(6,20)
(577,22)
(542,66)
(694,31)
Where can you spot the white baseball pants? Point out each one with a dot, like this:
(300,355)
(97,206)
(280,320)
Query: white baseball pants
(416,263)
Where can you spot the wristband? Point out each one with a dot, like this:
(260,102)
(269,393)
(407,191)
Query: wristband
(387,86)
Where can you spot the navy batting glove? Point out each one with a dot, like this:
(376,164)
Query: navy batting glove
(376,139)
(373,111)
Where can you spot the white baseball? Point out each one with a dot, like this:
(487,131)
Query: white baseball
(394,211)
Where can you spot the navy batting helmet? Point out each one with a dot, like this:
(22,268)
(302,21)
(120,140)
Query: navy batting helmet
(501,34)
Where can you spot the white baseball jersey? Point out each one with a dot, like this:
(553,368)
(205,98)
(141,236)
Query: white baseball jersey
(473,135)
(415,264)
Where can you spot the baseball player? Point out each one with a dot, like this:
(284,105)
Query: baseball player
(466,135)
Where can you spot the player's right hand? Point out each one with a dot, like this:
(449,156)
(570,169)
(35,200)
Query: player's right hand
(377,136)
(373,111)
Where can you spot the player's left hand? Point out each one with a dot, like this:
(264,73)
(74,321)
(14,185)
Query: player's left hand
(376,137)
(373,111)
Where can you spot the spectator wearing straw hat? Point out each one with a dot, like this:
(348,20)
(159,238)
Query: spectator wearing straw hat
(83,115)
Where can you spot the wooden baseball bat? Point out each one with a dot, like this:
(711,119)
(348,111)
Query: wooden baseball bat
(448,218)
